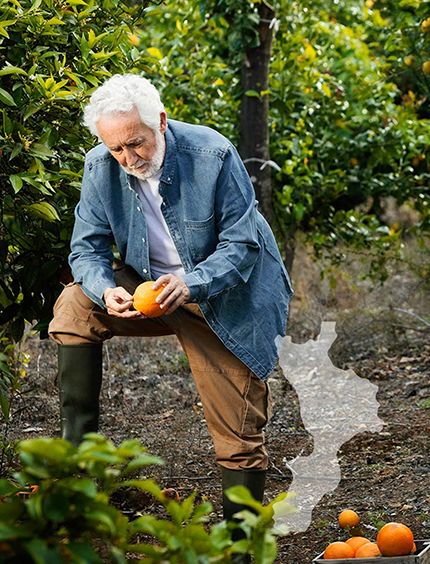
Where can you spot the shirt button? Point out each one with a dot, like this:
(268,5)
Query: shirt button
(138,209)
(145,271)
(143,239)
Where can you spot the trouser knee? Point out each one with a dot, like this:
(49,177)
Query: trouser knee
(77,319)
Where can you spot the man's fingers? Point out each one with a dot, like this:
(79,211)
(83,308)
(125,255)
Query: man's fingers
(123,305)
(126,314)
(160,282)
(170,298)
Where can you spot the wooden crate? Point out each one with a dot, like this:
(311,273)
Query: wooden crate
(422,556)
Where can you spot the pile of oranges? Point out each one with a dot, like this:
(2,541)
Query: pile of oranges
(394,539)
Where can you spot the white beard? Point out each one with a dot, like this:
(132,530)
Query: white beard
(154,164)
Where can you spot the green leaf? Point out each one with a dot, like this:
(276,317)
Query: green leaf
(7,488)
(252,93)
(8,532)
(32,109)
(154,52)
(102,517)
(83,553)
(7,23)
(39,150)
(17,329)
(7,124)
(41,554)
(146,486)
(55,21)
(299,210)
(16,150)
(144,460)
(265,552)
(6,98)
(44,210)
(16,182)
(82,485)
(9,69)
(187,507)
(4,405)
(104,56)
(242,495)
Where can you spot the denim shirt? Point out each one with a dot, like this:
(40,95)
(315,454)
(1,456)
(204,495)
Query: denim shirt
(232,264)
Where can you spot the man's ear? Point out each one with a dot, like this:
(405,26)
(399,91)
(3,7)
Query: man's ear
(163,122)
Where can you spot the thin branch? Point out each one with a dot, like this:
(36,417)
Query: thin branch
(410,313)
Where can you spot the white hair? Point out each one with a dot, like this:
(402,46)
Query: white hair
(121,94)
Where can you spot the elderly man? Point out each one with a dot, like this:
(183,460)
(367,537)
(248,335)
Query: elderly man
(178,203)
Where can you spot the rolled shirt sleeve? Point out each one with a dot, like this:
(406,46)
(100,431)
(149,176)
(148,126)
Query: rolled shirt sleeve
(236,221)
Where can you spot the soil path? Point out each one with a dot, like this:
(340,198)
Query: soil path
(148,392)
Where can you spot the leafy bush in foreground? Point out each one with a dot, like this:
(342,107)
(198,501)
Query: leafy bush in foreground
(70,518)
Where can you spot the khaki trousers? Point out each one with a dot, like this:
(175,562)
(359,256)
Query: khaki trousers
(236,403)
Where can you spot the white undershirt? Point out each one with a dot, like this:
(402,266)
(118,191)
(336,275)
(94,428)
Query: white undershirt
(163,256)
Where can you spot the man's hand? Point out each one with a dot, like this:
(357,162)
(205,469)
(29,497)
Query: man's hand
(118,302)
(174,294)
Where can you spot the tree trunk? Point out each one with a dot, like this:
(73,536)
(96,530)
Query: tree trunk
(254,113)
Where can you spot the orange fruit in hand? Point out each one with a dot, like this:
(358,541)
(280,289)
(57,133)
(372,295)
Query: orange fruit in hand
(144,299)
(348,518)
(356,542)
(337,550)
(395,539)
(368,550)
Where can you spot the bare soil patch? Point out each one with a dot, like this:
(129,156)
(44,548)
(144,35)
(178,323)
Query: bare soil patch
(148,393)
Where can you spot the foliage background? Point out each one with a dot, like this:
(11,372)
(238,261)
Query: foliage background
(348,118)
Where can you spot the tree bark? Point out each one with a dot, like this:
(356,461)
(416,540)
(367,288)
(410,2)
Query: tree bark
(254,113)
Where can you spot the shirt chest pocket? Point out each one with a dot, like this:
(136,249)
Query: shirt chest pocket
(201,237)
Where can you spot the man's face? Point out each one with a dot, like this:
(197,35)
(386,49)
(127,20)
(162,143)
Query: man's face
(137,148)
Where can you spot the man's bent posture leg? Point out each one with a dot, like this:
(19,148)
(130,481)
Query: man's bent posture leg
(79,327)
(236,404)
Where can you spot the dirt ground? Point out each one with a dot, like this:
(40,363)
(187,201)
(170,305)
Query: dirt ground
(148,392)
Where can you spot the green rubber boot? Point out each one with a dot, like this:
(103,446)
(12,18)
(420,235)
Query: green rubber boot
(79,380)
(255,481)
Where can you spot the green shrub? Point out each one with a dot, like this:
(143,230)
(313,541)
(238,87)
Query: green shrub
(71,518)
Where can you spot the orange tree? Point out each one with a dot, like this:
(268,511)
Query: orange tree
(341,134)
(345,141)
(52,55)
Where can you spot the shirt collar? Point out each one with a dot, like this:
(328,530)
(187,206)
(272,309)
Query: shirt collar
(169,158)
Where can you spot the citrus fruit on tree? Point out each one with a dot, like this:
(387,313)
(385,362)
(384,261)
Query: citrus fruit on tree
(425,25)
(348,518)
(395,539)
(356,542)
(144,299)
(337,550)
(426,67)
(368,550)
